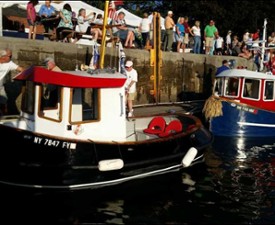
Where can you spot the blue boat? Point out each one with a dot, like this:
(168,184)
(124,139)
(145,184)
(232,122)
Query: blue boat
(242,104)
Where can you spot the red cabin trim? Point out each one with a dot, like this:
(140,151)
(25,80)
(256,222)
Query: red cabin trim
(79,79)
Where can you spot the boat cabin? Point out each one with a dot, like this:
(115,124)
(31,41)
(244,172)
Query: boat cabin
(69,104)
(249,87)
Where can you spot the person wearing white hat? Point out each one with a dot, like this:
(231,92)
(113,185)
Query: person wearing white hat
(169,31)
(130,86)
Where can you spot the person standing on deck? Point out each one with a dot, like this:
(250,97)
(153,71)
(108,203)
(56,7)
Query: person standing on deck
(225,66)
(6,65)
(130,86)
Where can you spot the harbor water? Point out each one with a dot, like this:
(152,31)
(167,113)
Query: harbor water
(234,185)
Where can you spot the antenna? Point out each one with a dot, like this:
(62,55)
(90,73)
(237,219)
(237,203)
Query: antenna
(264,43)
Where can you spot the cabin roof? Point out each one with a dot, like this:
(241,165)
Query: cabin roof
(246,74)
(80,79)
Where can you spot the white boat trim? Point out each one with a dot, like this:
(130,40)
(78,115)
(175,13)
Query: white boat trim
(256,124)
(105,183)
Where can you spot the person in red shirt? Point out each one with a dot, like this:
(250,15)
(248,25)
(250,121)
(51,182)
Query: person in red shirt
(186,33)
(256,35)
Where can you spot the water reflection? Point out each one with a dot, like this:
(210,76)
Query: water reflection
(235,185)
(240,172)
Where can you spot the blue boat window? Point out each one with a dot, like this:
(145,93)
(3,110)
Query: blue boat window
(269,90)
(231,86)
(85,105)
(251,88)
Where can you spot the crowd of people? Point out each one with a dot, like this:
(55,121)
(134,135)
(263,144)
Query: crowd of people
(208,40)
(177,34)
(65,26)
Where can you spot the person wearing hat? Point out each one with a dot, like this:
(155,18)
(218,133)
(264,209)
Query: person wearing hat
(50,64)
(130,86)
(225,66)
(169,32)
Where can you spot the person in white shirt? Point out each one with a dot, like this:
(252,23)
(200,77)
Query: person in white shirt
(196,33)
(219,44)
(228,43)
(84,21)
(6,65)
(130,86)
(124,33)
(145,28)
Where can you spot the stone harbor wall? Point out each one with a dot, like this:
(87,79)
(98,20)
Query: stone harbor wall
(183,74)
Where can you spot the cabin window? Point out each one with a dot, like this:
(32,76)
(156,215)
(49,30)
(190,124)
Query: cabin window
(85,104)
(50,102)
(269,90)
(27,104)
(251,88)
(231,86)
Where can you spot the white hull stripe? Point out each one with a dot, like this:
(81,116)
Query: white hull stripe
(104,183)
(256,124)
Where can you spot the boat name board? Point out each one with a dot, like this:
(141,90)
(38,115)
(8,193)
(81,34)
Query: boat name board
(54,143)
(245,108)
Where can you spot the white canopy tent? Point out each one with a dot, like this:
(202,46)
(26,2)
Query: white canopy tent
(133,20)
(76,5)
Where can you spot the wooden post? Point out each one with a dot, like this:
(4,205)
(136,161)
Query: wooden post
(156,56)
(103,42)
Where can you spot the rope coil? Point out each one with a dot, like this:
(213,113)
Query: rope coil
(212,108)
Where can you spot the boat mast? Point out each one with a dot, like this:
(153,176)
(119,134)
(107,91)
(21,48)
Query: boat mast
(103,42)
(263,46)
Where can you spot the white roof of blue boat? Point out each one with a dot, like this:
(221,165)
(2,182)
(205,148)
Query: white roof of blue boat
(246,73)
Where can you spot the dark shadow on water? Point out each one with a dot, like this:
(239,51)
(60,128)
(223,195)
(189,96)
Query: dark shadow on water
(235,185)
(144,201)
(242,173)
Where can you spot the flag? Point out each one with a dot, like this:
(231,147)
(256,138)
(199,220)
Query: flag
(119,2)
(112,14)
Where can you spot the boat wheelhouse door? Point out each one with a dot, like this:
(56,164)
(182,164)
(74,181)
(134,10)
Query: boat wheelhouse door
(28,100)
(227,86)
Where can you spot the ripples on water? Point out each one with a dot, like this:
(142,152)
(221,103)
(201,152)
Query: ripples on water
(235,185)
